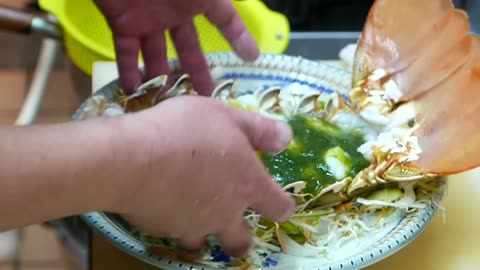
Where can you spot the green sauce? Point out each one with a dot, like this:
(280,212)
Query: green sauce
(305,158)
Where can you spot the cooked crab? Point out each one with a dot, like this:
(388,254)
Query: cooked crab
(418,79)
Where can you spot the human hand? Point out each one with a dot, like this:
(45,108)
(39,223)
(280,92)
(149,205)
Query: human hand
(194,171)
(142,24)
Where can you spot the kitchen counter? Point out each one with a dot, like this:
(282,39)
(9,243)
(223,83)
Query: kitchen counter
(450,245)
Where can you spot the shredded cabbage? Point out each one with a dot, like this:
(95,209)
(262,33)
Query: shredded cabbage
(324,234)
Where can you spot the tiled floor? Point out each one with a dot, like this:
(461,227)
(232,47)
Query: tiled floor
(40,248)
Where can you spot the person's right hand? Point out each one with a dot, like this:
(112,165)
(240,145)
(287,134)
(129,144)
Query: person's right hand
(194,171)
(141,24)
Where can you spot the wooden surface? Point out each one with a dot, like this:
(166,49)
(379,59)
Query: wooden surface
(453,245)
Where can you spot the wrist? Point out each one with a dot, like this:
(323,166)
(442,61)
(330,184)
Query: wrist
(127,161)
(52,171)
(143,146)
(109,179)
(89,165)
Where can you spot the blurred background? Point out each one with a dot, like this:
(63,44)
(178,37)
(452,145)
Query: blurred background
(342,15)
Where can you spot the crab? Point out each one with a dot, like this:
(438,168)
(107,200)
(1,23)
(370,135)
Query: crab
(420,87)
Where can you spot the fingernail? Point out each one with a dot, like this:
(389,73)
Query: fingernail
(287,216)
(284,134)
(289,212)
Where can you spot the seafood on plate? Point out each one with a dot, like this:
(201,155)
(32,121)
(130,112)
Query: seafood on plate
(356,160)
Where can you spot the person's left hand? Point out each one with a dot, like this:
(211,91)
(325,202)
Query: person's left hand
(141,24)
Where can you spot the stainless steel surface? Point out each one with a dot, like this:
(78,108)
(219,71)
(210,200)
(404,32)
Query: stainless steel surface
(320,45)
(36,92)
(46,27)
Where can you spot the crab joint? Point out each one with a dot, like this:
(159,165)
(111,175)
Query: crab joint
(401,172)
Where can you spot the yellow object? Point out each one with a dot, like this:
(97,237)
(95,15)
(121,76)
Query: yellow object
(88,38)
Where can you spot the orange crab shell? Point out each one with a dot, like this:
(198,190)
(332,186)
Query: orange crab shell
(427,48)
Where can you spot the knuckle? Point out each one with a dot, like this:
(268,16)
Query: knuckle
(260,131)
(234,26)
(254,182)
(250,184)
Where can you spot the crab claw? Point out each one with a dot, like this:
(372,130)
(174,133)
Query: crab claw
(426,48)
(447,116)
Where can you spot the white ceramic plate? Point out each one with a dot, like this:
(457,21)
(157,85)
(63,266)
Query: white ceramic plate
(267,71)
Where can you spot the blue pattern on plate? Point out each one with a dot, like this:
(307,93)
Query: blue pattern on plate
(219,255)
(269,262)
(245,76)
(279,80)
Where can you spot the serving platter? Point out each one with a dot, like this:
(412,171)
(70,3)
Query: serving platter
(273,70)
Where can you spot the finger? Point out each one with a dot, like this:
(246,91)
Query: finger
(192,58)
(236,239)
(225,17)
(264,134)
(127,51)
(265,196)
(155,55)
(192,244)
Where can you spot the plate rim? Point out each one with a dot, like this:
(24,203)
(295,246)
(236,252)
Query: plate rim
(404,235)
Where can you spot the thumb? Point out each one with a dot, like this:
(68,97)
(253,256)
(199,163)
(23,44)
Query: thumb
(264,134)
